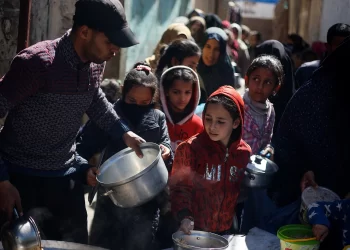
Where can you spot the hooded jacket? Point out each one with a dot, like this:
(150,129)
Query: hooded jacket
(206,176)
(191,124)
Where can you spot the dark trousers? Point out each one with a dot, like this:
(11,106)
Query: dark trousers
(118,228)
(57,206)
(167,226)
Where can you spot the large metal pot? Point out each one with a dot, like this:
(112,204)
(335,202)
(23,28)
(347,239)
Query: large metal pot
(20,234)
(198,240)
(259,172)
(131,181)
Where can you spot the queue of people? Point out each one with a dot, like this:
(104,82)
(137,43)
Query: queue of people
(202,61)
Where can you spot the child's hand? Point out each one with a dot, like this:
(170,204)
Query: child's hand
(268,152)
(320,232)
(91,176)
(186,226)
(165,152)
(308,180)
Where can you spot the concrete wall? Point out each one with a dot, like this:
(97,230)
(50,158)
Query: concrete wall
(208,6)
(314,20)
(280,22)
(264,26)
(9,17)
(50,19)
(335,11)
(149,19)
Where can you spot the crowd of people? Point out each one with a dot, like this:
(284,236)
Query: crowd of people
(289,110)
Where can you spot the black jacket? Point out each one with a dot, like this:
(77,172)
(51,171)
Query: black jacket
(152,128)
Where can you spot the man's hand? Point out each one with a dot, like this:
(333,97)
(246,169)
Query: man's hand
(91,176)
(9,199)
(186,226)
(320,232)
(133,141)
(308,180)
(165,152)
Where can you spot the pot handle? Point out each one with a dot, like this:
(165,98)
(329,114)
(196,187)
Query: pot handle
(107,193)
(15,213)
(249,174)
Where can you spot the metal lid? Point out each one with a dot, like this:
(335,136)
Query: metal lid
(260,164)
(311,195)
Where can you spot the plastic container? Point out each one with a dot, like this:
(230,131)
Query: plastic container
(294,232)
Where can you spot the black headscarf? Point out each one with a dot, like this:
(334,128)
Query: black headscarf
(275,48)
(314,131)
(222,73)
(213,20)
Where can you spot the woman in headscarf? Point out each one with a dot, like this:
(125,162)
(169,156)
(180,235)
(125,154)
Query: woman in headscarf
(181,19)
(280,100)
(243,61)
(215,66)
(196,12)
(197,26)
(313,136)
(213,20)
(174,31)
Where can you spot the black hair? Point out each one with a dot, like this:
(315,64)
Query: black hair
(338,29)
(213,20)
(299,44)
(112,89)
(231,107)
(269,62)
(308,55)
(183,74)
(178,49)
(140,77)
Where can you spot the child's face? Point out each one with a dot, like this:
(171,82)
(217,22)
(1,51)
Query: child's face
(179,95)
(195,27)
(139,95)
(191,62)
(261,84)
(253,40)
(218,123)
(211,52)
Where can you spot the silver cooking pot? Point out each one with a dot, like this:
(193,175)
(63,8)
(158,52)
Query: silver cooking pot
(199,240)
(259,172)
(20,234)
(131,181)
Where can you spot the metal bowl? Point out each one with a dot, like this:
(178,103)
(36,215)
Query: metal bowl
(199,240)
(21,233)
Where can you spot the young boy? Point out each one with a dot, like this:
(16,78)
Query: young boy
(322,214)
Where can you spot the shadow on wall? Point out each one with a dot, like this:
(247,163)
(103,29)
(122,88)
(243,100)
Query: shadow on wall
(149,19)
